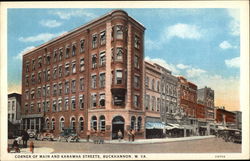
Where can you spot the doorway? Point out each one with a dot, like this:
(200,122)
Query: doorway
(117,124)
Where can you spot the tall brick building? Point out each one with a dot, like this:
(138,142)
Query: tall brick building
(88,78)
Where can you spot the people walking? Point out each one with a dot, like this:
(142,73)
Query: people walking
(25,137)
(88,135)
(133,134)
(31,147)
(129,134)
(119,135)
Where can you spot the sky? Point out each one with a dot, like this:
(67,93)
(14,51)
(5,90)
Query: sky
(203,45)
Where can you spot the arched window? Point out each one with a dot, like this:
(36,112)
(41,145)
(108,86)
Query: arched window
(47,123)
(53,124)
(73,123)
(93,123)
(132,122)
(139,120)
(102,123)
(81,124)
(61,127)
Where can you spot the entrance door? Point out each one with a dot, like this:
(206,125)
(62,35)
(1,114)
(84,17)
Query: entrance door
(117,124)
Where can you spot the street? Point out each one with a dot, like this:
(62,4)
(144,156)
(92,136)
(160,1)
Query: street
(208,145)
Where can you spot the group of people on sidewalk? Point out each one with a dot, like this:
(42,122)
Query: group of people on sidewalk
(25,137)
(131,135)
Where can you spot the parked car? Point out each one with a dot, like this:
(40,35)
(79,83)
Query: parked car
(232,135)
(32,133)
(69,135)
(46,135)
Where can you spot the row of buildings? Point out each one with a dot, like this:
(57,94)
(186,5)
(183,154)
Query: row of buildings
(95,77)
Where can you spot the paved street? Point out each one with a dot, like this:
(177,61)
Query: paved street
(208,145)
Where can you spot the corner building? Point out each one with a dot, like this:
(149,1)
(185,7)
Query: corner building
(89,78)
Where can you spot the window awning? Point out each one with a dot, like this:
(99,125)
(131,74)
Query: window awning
(175,126)
(155,125)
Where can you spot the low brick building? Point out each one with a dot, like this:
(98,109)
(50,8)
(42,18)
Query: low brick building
(225,117)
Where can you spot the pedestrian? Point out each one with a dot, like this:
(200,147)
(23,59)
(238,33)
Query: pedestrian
(88,135)
(31,147)
(15,146)
(25,138)
(98,137)
(133,134)
(129,134)
(102,137)
(95,136)
(119,135)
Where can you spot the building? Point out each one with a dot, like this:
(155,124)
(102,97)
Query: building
(225,117)
(238,119)
(87,79)
(206,97)
(14,108)
(188,102)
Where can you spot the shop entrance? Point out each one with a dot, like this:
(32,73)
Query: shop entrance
(117,124)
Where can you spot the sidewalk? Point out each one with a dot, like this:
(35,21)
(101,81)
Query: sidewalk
(156,140)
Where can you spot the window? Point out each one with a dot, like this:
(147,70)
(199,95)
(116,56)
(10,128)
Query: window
(153,103)
(119,77)
(48,74)
(73,86)
(60,89)
(119,32)
(81,101)
(32,108)
(139,121)
(66,87)
(93,123)
(33,64)
(81,124)
(93,101)
(55,55)
(48,59)
(67,69)
(60,54)
(27,66)
(33,81)
(82,49)
(158,104)
(102,100)
(39,92)
(102,59)
(44,91)
(147,102)
(81,84)
(73,123)
(61,128)
(82,64)
(102,80)
(102,123)
(27,80)
(158,86)
(67,52)
(53,124)
(39,77)
(73,103)
(48,90)
(94,61)
(39,107)
(26,108)
(54,108)
(112,55)
(54,89)
(94,41)
(60,71)
(136,61)
(47,123)
(54,72)
(147,82)
(93,81)
(60,104)
(153,84)
(118,100)
(136,81)
(74,50)
(73,67)
(132,123)
(40,62)
(119,54)
(103,37)
(47,107)
(136,100)
(66,104)
(32,94)
(137,42)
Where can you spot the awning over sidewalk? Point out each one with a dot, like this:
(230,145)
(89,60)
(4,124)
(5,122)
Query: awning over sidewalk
(154,125)
(175,126)
(188,127)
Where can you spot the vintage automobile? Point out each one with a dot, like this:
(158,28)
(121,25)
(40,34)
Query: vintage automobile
(32,133)
(69,135)
(46,135)
(232,135)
